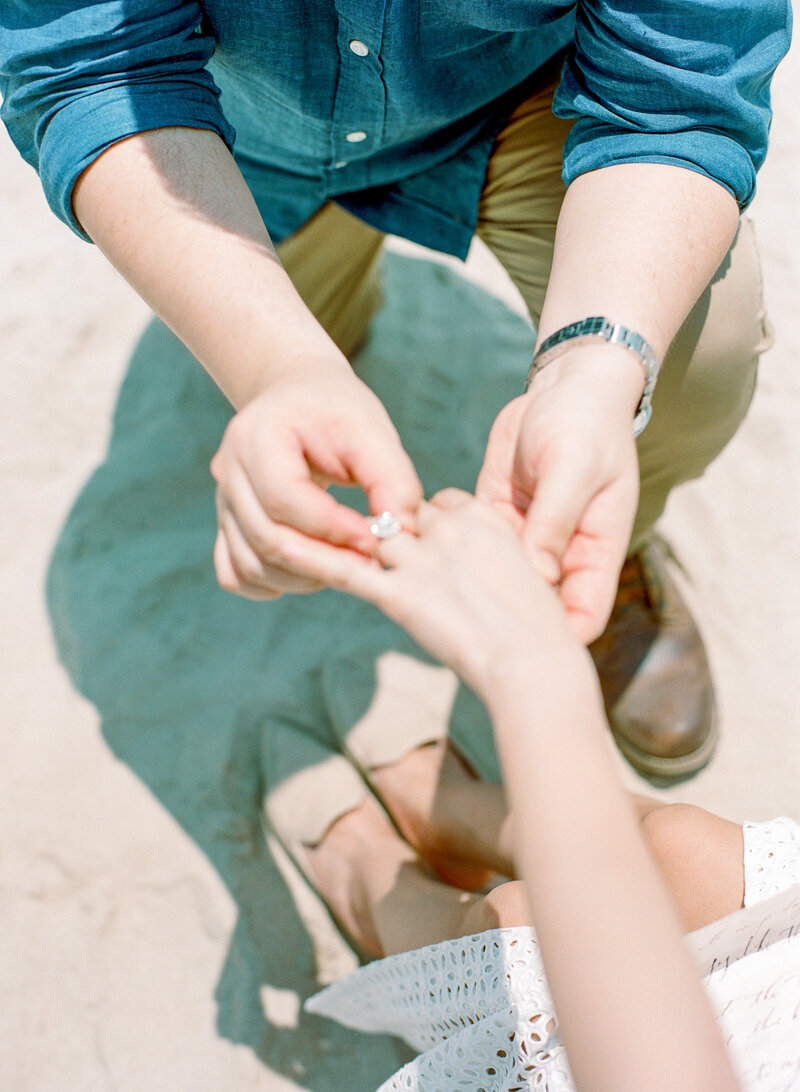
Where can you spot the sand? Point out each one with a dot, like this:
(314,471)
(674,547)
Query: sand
(148,940)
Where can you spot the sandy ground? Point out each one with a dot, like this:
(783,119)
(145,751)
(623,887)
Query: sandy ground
(136,897)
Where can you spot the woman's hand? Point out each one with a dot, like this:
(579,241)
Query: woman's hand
(305,430)
(561,465)
(463,588)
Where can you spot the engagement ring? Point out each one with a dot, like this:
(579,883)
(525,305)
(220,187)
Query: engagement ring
(385,526)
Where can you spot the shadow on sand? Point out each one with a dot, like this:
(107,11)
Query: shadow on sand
(187,679)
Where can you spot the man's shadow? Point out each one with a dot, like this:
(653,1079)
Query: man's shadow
(187,678)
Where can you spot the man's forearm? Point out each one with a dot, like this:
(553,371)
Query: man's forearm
(638,243)
(171,211)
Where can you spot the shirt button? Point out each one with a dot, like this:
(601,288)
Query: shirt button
(359,48)
(356,137)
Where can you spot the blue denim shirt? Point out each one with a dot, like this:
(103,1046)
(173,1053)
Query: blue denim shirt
(389,107)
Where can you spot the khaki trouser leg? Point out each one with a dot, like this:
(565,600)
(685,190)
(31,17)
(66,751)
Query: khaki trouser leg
(707,380)
(708,376)
(334,263)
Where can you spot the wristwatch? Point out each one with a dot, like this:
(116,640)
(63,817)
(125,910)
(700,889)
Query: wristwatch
(588,328)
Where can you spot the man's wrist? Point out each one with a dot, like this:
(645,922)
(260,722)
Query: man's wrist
(605,373)
(596,332)
(308,363)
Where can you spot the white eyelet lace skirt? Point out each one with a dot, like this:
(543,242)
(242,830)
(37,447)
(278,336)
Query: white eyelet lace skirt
(479,1009)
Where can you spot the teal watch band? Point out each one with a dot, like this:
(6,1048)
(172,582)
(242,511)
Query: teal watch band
(613,332)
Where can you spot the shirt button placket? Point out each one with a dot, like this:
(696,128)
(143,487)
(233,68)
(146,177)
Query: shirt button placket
(361,49)
(359,111)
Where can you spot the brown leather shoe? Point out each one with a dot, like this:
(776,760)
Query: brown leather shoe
(654,673)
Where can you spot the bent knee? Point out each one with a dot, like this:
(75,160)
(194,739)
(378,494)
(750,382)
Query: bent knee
(673,828)
(508,904)
(701,857)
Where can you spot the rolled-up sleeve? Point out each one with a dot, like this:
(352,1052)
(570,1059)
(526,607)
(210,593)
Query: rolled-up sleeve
(78,77)
(684,82)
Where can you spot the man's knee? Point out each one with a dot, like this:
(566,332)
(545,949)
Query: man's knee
(334,263)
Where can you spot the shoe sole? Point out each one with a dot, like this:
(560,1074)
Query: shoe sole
(668,771)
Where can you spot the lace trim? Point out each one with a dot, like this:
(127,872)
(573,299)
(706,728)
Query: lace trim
(771,858)
(511,1051)
(429,994)
(479,1009)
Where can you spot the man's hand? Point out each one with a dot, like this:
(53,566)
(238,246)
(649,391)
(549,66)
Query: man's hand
(561,465)
(307,429)
(171,210)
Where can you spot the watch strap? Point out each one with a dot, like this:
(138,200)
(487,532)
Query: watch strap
(614,333)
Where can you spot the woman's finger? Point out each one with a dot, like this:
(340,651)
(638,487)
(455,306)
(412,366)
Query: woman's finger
(396,550)
(340,568)
(450,498)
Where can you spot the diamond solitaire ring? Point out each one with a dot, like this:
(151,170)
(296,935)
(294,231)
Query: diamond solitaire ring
(385,526)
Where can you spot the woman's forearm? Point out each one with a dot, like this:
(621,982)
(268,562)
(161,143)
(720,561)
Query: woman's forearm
(632,1010)
(631,1006)
(171,211)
